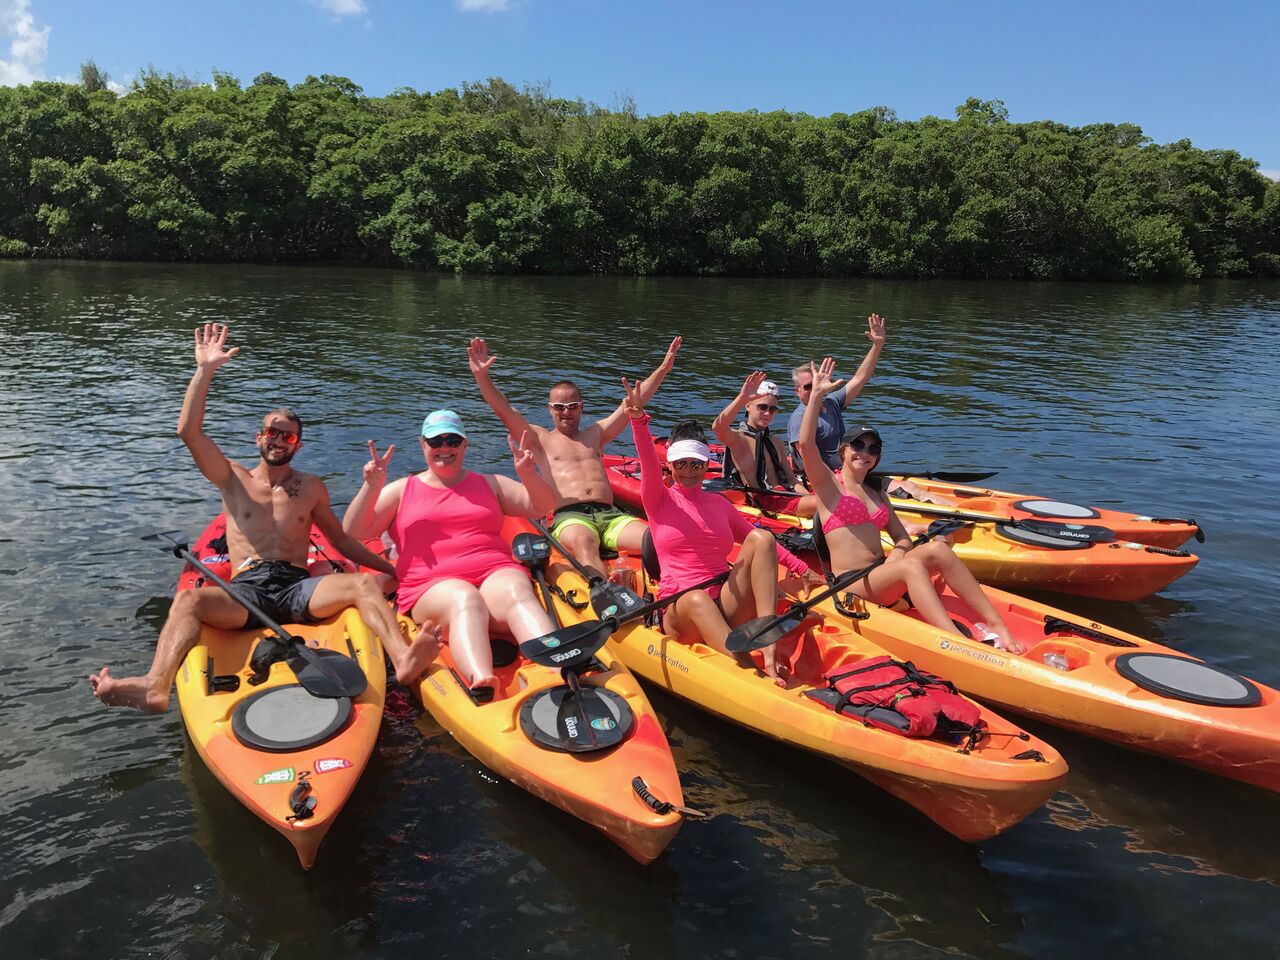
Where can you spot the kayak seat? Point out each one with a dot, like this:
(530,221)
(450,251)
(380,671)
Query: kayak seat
(865,712)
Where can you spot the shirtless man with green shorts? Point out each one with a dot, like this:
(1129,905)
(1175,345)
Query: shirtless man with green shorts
(569,458)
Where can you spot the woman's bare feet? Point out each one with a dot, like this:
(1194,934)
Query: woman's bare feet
(1006,640)
(773,667)
(138,692)
(422,649)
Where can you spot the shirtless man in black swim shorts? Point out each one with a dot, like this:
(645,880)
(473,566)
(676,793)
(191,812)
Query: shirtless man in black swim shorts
(269,510)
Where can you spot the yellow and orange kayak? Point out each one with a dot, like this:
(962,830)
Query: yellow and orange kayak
(291,758)
(1017,559)
(1014,556)
(599,787)
(1093,679)
(973,791)
(1167,532)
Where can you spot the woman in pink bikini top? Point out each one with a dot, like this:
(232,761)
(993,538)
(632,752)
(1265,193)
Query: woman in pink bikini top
(845,509)
(453,566)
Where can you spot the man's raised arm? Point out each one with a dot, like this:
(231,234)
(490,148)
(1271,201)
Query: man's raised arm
(211,353)
(481,360)
(875,333)
(614,423)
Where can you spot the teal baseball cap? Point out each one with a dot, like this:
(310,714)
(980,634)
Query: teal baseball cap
(440,422)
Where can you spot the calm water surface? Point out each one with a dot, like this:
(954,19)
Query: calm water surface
(118,843)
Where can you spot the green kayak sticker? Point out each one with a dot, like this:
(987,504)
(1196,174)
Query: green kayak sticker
(283,775)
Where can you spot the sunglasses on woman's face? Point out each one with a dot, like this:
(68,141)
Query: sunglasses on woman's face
(444,440)
(870,448)
(559,407)
(687,466)
(767,408)
(288,436)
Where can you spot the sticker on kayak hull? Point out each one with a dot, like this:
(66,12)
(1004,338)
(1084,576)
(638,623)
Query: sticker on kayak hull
(603,723)
(329,764)
(980,655)
(283,775)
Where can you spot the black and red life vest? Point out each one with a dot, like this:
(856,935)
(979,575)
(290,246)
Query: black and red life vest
(923,700)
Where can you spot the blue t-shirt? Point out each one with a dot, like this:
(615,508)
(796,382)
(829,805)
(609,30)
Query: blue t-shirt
(830,426)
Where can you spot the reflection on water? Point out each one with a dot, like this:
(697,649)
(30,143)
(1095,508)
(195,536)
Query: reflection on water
(119,843)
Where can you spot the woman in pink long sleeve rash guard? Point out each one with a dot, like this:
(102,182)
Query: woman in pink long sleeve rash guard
(694,532)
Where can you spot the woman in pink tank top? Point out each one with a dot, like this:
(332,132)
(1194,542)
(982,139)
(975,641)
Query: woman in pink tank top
(853,509)
(453,565)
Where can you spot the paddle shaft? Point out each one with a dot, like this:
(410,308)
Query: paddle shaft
(582,568)
(186,553)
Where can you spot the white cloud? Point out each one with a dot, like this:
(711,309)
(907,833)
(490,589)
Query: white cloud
(344,8)
(482,6)
(28,47)
(1270,174)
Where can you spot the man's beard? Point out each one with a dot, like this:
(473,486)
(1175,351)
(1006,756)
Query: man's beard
(277,459)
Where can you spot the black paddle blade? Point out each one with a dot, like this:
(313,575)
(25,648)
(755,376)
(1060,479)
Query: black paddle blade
(941,528)
(570,645)
(610,599)
(1071,532)
(326,673)
(585,720)
(761,632)
(530,550)
(171,541)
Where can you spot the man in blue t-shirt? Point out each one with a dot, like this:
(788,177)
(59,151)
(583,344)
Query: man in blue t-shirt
(831,417)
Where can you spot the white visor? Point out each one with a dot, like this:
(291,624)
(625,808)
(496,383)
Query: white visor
(688,450)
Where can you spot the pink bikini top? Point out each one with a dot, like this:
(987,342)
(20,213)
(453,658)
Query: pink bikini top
(852,512)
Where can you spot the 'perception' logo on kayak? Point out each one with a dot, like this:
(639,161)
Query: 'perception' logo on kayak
(329,764)
(283,775)
(981,655)
(668,660)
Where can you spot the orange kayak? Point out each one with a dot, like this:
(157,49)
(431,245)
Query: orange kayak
(1093,679)
(291,758)
(1014,556)
(1167,532)
(974,791)
(597,786)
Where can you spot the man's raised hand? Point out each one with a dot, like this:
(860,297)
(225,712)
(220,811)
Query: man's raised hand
(875,328)
(750,386)
(211,349)
(375,471)
(478,356)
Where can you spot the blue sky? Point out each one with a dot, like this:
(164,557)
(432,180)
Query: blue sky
(1205,72)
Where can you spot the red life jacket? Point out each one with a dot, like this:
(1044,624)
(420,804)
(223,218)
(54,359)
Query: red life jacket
(923,699)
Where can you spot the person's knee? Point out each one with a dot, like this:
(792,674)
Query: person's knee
(762,540)
(913,569)
(580,539)
(470,603)
(189,604)
(366,588)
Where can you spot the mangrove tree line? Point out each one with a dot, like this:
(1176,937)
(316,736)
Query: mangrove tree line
(490,178)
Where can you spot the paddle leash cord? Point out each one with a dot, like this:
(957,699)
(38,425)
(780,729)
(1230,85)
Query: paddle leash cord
(662,807)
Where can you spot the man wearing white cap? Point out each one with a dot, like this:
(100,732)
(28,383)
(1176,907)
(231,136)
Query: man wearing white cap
(753,454)
(569,457)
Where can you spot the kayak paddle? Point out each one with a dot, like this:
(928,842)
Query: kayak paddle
(322,673)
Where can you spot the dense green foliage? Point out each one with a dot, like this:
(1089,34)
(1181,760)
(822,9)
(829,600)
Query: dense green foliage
(493,179)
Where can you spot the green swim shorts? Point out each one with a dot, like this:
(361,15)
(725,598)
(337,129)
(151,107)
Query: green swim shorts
(605,519)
